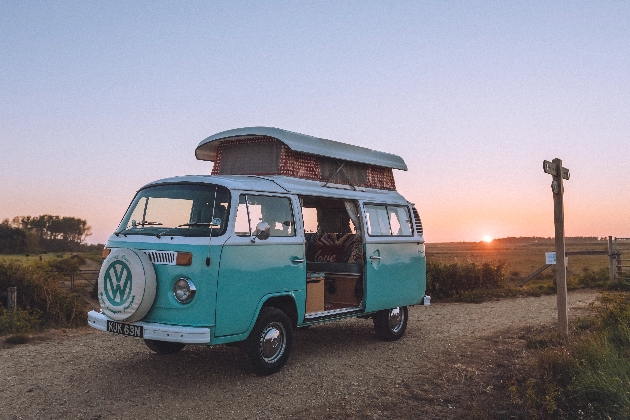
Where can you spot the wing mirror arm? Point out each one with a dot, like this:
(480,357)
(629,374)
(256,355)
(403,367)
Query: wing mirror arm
(262,232)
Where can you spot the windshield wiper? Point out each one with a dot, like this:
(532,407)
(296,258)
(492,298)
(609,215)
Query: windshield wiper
(159,235)
(136,226)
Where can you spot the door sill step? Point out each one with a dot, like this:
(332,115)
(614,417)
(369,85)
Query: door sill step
(325,314)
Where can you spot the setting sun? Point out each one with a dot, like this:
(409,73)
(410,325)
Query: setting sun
(487,238)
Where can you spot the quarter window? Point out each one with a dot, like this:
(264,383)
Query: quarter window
(253,209)
(383,220)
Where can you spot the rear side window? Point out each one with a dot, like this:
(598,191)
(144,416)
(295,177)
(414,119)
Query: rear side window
(388,220)
(253,209)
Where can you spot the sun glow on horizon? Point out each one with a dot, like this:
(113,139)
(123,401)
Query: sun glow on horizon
(488,238)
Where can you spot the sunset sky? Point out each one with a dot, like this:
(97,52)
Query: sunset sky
(99,98)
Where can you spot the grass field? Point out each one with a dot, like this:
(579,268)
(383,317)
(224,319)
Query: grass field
(522,258)
(51,256)
(22,258)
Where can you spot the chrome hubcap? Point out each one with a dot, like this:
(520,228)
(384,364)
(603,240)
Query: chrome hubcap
(396,319)
(272,342)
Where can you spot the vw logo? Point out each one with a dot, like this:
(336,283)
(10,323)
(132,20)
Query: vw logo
(117,283)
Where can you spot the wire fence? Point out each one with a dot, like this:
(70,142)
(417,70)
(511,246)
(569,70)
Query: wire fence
(77,279)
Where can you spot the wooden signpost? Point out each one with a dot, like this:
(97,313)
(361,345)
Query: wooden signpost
(555,169)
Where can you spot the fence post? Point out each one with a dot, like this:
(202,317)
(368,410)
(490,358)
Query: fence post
(619,267)
(611,257)
(12,298)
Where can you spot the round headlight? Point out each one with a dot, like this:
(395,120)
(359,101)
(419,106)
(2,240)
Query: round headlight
(184,290)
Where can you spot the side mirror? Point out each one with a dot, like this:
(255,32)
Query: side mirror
(262,231)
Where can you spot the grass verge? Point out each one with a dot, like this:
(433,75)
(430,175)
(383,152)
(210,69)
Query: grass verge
(40,299)
(587,377)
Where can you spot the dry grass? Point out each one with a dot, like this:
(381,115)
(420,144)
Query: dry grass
(29,258)
(521,258)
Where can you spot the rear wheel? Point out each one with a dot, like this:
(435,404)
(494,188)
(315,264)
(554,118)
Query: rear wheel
(391,324)
(269,344)
(164,347)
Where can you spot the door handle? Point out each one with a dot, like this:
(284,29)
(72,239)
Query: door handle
(375,257)
(297,261)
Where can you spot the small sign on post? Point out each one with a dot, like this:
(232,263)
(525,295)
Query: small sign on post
(550,257)
(555,169)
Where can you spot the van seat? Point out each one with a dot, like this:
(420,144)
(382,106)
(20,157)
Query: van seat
(334,248)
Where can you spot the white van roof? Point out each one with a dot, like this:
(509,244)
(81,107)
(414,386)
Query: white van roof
(283,184)
(207,149)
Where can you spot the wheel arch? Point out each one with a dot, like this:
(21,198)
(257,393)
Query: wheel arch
(286,303)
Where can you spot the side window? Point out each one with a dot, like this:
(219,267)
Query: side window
(399,220)
(253,209)
(388,220)
(377,221)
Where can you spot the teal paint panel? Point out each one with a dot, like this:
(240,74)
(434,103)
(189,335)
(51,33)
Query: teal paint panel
(251,271)
(300,301)
(200,312)
(398,278)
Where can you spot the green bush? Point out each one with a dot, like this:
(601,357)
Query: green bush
(588,378)
(67,265)
(590,278)
(40,298)
(17,321)
(461,279)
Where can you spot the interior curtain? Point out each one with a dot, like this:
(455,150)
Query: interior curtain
(353,214)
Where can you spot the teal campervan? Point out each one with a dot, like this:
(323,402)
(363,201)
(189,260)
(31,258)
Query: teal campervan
(288,231)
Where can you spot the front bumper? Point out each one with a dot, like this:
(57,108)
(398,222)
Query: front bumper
(160,332)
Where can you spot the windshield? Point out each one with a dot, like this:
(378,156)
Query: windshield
(177,210)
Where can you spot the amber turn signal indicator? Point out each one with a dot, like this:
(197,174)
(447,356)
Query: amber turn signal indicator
(105,252)
(183,258)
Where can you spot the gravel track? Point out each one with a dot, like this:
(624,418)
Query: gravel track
(334,368)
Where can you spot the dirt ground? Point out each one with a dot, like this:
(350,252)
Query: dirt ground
(450,358)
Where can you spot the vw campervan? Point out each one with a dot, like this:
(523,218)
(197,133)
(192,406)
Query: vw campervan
(288,231)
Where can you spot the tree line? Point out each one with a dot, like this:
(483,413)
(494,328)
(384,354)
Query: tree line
(45,233)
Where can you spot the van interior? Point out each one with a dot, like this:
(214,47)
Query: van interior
(334,256)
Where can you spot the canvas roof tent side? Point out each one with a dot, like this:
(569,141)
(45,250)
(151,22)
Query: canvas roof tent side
(272,151)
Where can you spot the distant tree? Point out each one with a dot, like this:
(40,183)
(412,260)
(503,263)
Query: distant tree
(55,233)
(12,240)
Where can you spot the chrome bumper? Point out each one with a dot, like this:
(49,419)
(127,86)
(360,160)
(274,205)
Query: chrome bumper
(160,332)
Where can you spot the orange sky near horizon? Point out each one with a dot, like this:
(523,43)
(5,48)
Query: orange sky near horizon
(447,216)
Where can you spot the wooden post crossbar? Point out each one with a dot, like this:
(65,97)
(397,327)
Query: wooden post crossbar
(534,274)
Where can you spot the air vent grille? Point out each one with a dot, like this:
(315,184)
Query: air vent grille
(418,222)
(162,257)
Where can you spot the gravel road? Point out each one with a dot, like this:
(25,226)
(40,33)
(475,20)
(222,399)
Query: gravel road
(334,368)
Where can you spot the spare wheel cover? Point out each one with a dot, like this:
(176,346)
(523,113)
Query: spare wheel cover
(126,285)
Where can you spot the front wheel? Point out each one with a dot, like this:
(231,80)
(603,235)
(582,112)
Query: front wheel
(391,324)
(269,344)
(164,347)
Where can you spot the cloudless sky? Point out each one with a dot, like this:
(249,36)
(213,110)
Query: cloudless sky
(99,98)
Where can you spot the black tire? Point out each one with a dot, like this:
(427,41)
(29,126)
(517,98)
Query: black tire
(269,344)
(164,347)
(390,324)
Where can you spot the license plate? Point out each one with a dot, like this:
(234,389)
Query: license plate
(125,329)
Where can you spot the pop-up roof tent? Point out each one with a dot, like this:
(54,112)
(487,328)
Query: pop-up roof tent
(272,151)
